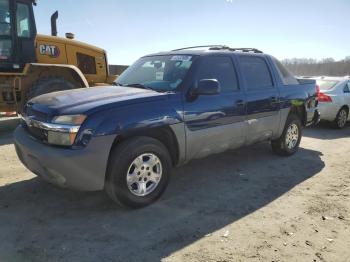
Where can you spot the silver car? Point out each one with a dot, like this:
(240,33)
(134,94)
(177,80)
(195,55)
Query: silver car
(334,99)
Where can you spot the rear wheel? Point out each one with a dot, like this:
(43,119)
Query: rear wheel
(138,172)
(49,85)
(288,143)
(341,119)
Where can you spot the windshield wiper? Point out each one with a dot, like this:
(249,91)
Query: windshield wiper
(138,86)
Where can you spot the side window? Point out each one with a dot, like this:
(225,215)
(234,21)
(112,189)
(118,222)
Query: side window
(86,64)
(23,21)
(286,76)
(347,87)
(220,68)
(5,25)
(256,72)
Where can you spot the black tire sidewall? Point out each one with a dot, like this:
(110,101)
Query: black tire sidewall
(118,167)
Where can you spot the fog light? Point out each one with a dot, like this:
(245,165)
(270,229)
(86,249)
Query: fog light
(60,138)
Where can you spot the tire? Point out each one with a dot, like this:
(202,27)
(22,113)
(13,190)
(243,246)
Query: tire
(49,85)
(121,166)
(281,146)
(341,118)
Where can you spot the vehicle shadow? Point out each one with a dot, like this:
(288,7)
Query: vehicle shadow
(325,131)
(6,138)
(39,222)
(8,124)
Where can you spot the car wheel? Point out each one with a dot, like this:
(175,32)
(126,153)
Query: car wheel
(341,119)
(138,172)
(289,141)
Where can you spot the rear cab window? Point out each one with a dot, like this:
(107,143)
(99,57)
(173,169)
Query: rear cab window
(256,72)
(284,74)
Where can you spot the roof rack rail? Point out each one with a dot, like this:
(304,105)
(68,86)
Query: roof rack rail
(199,46)
(244,49)
(222,47)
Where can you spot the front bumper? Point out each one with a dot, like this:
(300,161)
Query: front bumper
(81,169)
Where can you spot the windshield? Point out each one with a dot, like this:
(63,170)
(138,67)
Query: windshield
(326,84)
(160,73)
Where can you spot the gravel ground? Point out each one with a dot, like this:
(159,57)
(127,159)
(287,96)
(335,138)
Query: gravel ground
(244,205)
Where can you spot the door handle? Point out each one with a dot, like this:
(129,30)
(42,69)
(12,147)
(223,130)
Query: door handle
(274,100)
(240,103)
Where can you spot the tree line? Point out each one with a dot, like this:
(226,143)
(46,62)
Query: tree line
(313,67)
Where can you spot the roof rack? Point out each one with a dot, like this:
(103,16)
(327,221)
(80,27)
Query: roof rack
(198,46)
(244,49)
(222,47)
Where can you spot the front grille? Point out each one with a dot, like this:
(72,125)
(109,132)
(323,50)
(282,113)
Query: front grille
(34,131)
(37,133)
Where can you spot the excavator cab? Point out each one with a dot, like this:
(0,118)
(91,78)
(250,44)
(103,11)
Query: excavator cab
(17,34)
(33,64)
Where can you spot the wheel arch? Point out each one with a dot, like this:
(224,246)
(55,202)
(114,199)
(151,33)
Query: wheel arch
(346,107)
(163,134)
(37,70)
(299,110)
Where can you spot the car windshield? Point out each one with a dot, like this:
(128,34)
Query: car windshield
(326,84)
(159,73)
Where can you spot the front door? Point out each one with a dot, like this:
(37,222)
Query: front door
(25,32)
(215,123)
(262,98)
(17,34)
(6,31)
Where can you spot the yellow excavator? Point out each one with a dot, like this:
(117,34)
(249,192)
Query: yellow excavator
(32,64)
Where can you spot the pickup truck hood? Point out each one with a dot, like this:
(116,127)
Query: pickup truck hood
(84,100)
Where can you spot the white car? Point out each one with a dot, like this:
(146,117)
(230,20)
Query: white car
(334,99)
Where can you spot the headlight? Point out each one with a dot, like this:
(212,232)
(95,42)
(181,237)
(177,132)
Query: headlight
(75,120)
(64,129)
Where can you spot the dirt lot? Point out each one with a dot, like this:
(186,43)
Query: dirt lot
(245,205)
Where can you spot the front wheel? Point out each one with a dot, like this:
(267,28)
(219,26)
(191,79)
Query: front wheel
(138,172)
(288,143)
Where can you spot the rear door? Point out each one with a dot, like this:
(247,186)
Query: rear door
(262,98)
(215,123)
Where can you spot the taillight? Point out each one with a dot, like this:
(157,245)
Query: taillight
(321,97)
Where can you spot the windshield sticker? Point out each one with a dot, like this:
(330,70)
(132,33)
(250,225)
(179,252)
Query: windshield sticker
(159,75)
(181,58)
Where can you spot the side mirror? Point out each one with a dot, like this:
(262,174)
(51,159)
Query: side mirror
(207,87)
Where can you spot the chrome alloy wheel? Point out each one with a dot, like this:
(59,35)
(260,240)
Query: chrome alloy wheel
(292,136)
(144,174)
(342,118)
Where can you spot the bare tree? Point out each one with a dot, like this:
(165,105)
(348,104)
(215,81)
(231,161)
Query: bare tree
(312,67)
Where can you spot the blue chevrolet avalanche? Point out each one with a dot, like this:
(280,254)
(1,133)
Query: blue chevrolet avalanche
(164,110)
